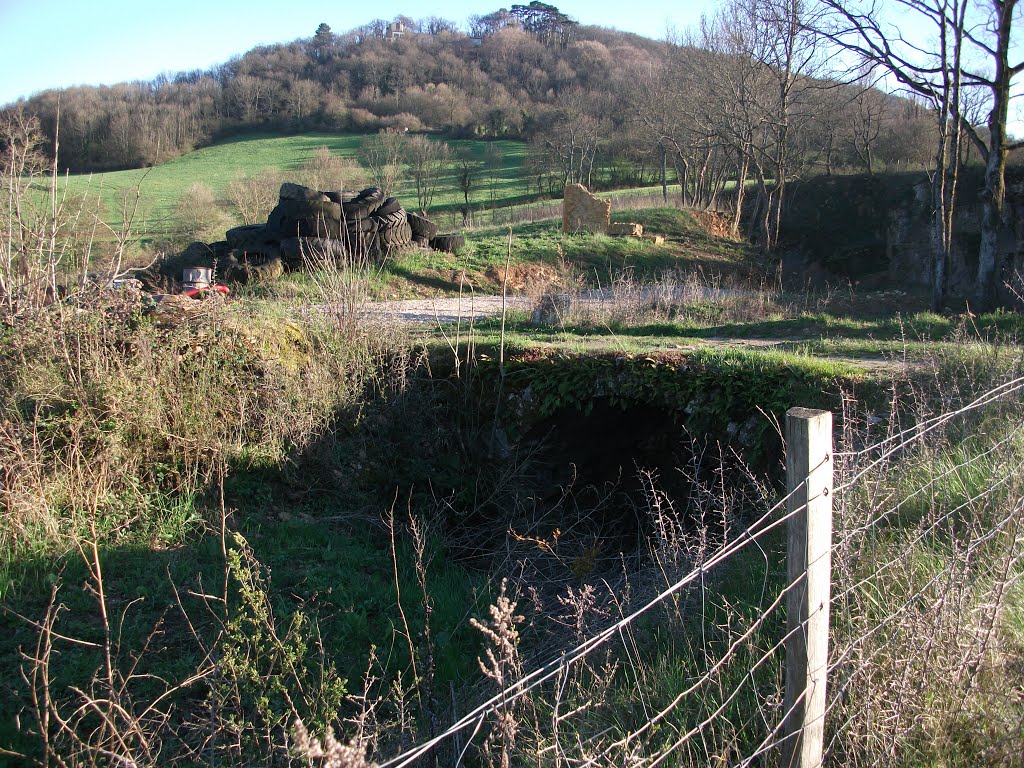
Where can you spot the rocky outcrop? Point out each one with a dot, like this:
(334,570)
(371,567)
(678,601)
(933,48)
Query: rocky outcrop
(875,232)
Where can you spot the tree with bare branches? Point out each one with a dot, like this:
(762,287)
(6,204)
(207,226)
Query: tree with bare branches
(382,155)
(968,63)
(427,160)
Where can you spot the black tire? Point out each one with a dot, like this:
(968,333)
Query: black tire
(303,250)
(361,225)
(358,209)
(319,228)
(395,236)
(248,238)
(447,243)
(373,194)
(421,226)
(291,251)
(341,197)
(284,220)
(363,204)
(263,269)
(220,248)
(392,219)
(302,219)
(297,192)
(306,209)
(388,206)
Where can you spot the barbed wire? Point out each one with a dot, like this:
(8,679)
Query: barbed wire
(596,749)
(851,533)
(923,428)
(534,679)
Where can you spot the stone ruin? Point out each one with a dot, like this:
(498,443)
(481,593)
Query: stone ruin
(585,212)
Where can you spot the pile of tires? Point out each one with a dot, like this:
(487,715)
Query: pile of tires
(310,228)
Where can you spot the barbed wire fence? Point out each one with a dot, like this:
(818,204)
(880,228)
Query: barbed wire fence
(918,540)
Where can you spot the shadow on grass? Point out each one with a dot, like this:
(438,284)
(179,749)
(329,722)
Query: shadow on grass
(313,523)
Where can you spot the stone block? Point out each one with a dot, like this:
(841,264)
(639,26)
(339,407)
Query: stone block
(583,212)
(624,229)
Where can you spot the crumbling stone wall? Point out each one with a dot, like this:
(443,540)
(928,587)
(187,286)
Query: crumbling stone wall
(583,212)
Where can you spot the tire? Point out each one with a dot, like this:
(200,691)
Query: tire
(248,238)
(395,236)
(291,251)
(363,204)
(341,197)
(388,206)
(421,226)
(447,243)
(293,218)
(422,242)
(220,249)
(319,228)
(302,250)
(354,226)
(298,192)
(263,269)
(306,209)
(355,211)
(388,220)
(373,194)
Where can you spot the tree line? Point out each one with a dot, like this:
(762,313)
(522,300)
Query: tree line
(591,101)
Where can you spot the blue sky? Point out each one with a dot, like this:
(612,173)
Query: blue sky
(59,43)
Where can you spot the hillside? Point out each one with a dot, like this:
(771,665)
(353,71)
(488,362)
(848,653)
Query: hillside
(500,177)
(597,106)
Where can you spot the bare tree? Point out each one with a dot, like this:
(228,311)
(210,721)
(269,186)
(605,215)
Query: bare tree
(571,136)
(867,115)
(382,156)
(971,56)
(326,170)
(427,160)
(196,213)
(302,98)
(467,168)
(253,195)
(763,61)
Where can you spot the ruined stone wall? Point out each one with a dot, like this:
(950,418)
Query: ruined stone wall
(583,212)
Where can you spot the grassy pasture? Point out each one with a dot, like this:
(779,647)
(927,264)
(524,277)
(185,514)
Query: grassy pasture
(163,185)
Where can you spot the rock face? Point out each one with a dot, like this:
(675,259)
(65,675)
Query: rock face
(583,212)
(876,232)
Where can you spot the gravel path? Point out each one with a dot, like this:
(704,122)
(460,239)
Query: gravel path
(444,310)
(450,309)
(427,312)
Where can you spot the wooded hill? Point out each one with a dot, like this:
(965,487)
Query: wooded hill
(599,106)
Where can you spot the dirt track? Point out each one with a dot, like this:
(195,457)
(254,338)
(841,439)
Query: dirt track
(449,310)
(444,310)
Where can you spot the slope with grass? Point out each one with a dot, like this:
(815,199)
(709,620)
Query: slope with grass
(163,185)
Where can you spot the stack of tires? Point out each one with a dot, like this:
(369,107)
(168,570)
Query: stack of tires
(312,228)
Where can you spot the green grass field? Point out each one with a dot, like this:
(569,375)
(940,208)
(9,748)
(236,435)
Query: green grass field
(163,185)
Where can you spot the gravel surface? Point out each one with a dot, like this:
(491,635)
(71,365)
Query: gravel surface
(444,310)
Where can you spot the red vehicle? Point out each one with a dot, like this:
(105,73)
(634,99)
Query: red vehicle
(198,293)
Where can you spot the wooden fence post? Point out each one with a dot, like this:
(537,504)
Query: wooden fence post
(809,558)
